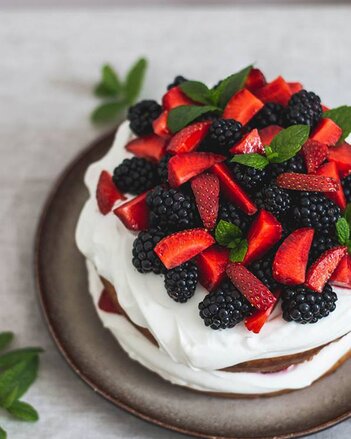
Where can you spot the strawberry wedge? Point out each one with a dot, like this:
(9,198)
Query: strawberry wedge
(206,191)
(250,143)
(341,155)
(211,264)
(256,322)
(188,138)
(134,214)
(150,147)
(107,193)
(327,132)
(175,98)
(277,91)
(267,134)
(330,170)
(160,127)
(342,275)
(255,80)
(315,154)
(307,182)
(242,107)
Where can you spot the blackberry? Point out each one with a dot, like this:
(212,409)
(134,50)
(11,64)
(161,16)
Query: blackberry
(314,209)
(230,213)
(346,184)
(171,210)
(141,116)
(320,244)
(304,108)
(222,135)
(247,177)
(177,81)
(271,114)
(274,199)
(301,305)
(225,307)
(262,269)
(181,281)
(295,164)
(163,168)
(135,175)
(145,259)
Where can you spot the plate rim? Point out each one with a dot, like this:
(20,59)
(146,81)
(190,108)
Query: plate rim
(64,351)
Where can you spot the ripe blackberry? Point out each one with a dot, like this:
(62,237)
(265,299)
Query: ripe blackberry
(271,114)
(177,81)
(346,184)
(135,175)
(163,168)
(301,305)
(230,213)
(145,259)
(262,269)
(274,199)
(247,177)
(295,164)
(225,307)
(304,108)
(314,209)
(320,244)
(181,281)
(141,116)
(171,210)
(222,135)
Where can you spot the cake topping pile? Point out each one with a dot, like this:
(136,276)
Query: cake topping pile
(243,188)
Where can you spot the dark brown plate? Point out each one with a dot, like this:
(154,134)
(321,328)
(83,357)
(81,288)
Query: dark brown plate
(96,357)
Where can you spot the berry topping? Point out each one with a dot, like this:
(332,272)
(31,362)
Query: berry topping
(270,114)
(222,135)
(251,142)
(256,322)
(346,184)
(145,259)
(295,87)
(320,244)
(275,200)
(247,177)
(142,115)
(232,214)
(212,264)
(177,81)
(315,154)
(262,269)
(206,191)
(327,132)
(107,193)
(330,170)
(307,182)
(163,168)
(295,164)
(188,138)
(277,91)
(268,134)
(342,275)
(151,147)
(341,155)
(180,282)
(255,80)
(174,98)
(242,107)
(134,214)
(304,109)
(160,127)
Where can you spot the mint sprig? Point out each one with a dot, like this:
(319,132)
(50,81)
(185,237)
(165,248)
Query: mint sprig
(342,117)
(253,160)
(229,87)
(183,115)
(229,235)
(197,91)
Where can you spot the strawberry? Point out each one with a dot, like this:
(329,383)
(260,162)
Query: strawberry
(134,214)
(255,80)
(341,155)
(150,147)
(277,91)
(325,108)
(330,170)
(242,107)
(253,289)
(231,190)
(106,304)
(315,154)
(342,274)
(211,265)
(180,247)
(321,271)
(295,87)
(264,233)
(251,142)
(206,190)
(107,193)
(267,134)
(160,125)
(327,132)
(256,322)
(175,98)
(187,139)
(291,258)
(183,167)
(307,182)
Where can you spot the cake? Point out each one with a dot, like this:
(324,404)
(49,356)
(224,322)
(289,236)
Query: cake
(217,236)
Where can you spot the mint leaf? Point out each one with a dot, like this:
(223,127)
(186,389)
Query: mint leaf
(5,339)
(252,160)
(347,214)
(3,434)
(134,80)
(238,253)
(342,117)
(197,91)
(107,112)
(23,411)
(229,86)
(110,79)
(11,358)
(11,398)
(183,115)
(227,232)
(288,143)
(343,231)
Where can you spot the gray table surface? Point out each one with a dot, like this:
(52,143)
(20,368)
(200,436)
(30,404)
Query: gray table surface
(48,63)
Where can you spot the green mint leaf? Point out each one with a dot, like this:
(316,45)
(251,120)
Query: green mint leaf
(238,253)
(227,232)
(10,398)
(197,91)
(23,411)
(343,231)
(288,143)
(102,92)
(11,358)
(110,79)
(183,115)
(342,117)
(253,160)
(3,434)
(107,112)
(347,214)
(229,86)
(5,339)
(134,80)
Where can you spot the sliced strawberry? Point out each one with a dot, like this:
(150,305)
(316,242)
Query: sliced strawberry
(211,265)
(255,80)
(106,304)
(256,322)
(295,87)
(325,108)
(253,289)
(327,132)
(307,182)
(183,167)
(188,138)
(206,191)
(341,155)
(160,125)
(330,170)
(291,258)
(267,134)
(242,107)
(174,250)
(134,214)
(150,147)
(342,275)
(175,98)
(320,271)
(232,191)
(276,91)
(264,232)
(315,154)
(107,193)
(251,142)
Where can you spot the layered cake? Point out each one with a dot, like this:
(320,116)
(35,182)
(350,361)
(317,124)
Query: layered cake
(217,235)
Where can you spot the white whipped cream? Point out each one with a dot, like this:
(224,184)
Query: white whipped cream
(178,329)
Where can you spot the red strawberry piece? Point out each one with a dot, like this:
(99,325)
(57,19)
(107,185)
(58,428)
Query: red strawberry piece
(160,125)
(342,274)
(276,91)
(325,108)
(264,233)
(291,258)
(327,132)
(150,147)
(256,322)
(134,214)
(188,138)
(330,170)
(174,250)
(107,193)
(183,167)
(232,191)
(175,98)
(211,265)
(242,107)
(307,182)
(206,191)
(253,289)
(315,154)
(255,80)
(267,134)
(295,87)
(251,142)
(341,155)
(106,304)
(321,271)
